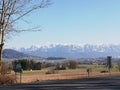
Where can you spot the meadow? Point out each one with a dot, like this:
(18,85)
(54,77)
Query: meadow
(80,72)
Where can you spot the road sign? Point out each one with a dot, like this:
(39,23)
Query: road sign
(18,68)
(109,63)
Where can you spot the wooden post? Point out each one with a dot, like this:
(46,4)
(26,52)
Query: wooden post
(20,77)
(15,77)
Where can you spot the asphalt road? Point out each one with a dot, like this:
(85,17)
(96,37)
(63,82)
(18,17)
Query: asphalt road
(100,83)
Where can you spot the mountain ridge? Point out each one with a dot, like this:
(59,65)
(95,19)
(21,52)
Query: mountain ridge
(14,54)
(73,51)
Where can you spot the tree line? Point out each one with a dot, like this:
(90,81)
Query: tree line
(27,64)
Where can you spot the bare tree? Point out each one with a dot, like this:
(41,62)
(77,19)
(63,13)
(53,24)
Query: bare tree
(72,64)
(118,66)
(12,11)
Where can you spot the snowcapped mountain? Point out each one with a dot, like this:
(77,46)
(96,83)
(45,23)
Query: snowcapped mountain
(73,51)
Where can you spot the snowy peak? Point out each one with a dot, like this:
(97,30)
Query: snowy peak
(73,51)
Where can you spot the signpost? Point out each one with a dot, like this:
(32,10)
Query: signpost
(109,63)
(18,69)
(88,72)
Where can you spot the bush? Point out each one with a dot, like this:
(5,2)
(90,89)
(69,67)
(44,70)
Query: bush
(6,68)
(52,71)
(103,71)
(47,64)
(60,67)
(72,64)
(118,66)
(6,79)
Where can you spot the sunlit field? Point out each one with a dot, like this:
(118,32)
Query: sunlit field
(80,72)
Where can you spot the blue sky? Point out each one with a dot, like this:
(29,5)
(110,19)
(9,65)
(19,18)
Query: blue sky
(71,21)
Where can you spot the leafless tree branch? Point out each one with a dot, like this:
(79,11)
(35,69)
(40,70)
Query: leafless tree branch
(12,11)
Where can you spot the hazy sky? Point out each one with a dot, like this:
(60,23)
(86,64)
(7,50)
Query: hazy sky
(72,21)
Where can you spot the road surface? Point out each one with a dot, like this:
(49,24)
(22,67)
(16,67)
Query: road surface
(98,83)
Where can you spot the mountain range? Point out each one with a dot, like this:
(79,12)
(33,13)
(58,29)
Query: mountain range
(9,54)
(13,54)
(73,51)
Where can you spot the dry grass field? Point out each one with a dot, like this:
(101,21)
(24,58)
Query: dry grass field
(40,75)
(34,78)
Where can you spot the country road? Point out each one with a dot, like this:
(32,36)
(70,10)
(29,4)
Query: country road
(98,83)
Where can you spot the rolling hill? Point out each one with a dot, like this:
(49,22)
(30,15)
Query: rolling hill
(13,54)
